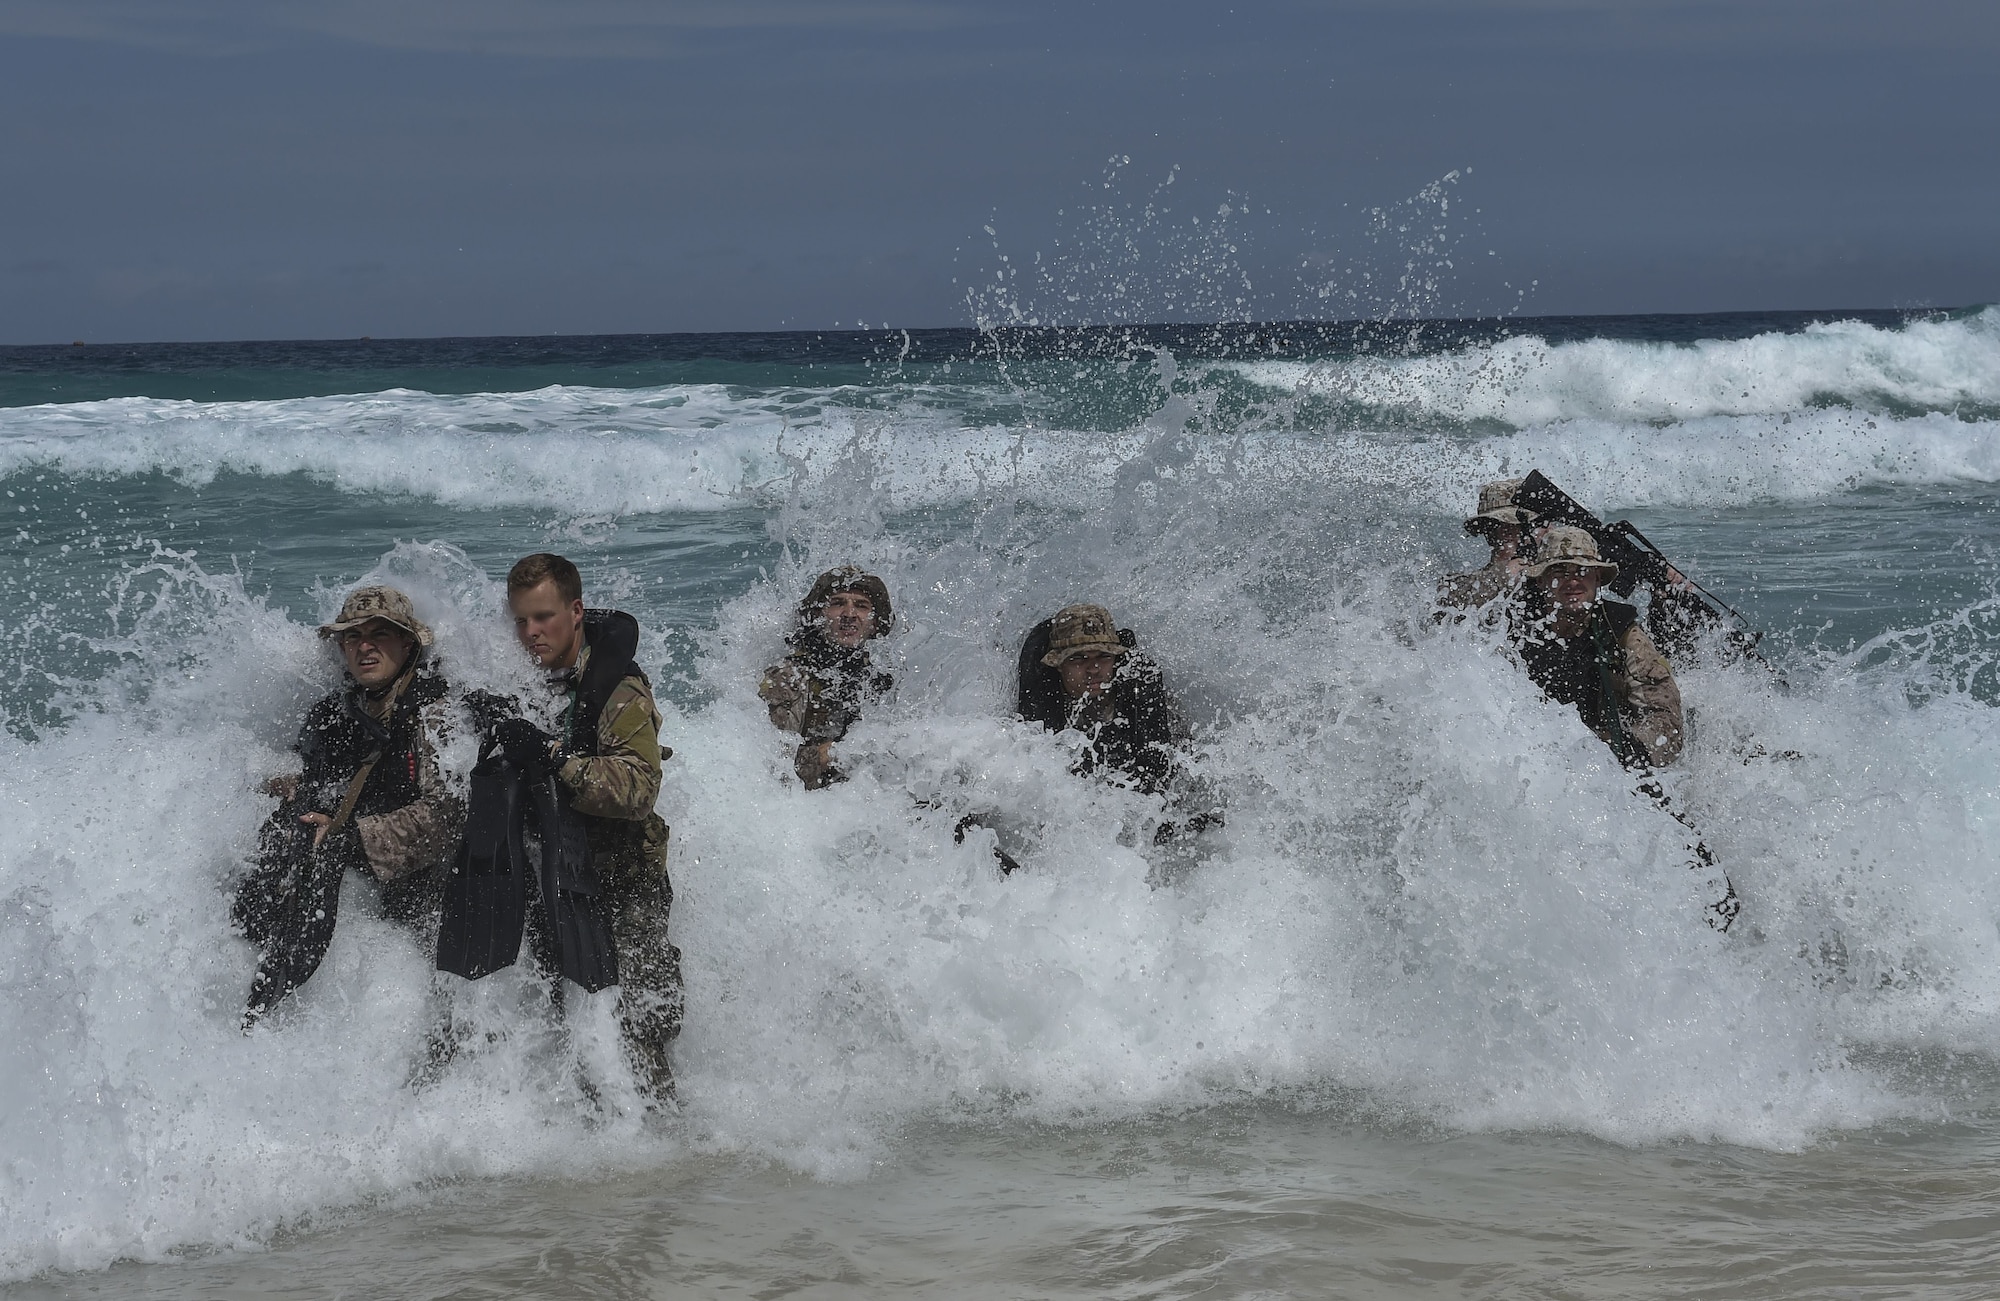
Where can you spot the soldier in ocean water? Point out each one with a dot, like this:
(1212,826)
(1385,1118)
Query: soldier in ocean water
(1080,672)
(1593,654)
(606,758)
(369,799)
(821,687)
(1505,528)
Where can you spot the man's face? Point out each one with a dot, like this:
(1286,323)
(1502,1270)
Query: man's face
(376,652)
(1573,587)
(848,618)
(1088,673)
(550,628)
(1505,539)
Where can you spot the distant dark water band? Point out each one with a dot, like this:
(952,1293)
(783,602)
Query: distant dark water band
(272,371)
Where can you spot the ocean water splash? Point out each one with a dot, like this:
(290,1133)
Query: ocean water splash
(1435,903)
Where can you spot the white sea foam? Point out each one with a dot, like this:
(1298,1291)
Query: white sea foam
(623,453)
(1433,891)
(620,451)
(1928,365)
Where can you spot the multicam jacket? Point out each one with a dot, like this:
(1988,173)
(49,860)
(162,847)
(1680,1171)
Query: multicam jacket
(817,693)
(612,776)
(1135,727)
(1621,685)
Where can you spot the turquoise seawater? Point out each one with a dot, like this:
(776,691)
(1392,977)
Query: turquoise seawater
(1433,1015)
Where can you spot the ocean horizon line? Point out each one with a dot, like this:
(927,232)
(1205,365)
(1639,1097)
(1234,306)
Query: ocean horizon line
(1749,316)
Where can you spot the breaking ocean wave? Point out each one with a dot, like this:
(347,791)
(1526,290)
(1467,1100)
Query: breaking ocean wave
(1659,439)
(1949,365)
(1436,907)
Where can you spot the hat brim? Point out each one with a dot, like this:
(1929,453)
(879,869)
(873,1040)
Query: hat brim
(1510,516)
(1056,658)
(421,633)
(1537,570)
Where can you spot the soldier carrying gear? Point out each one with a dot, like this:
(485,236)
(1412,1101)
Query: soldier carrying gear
(600,770)
(1593,654)
(1505,527)
(819,690)
(1078,670)
(370,798)
(1678,609)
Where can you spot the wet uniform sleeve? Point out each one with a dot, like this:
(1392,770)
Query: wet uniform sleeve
(785,696)
(1651,698)
(423,833)
(622,780)
(1470,591)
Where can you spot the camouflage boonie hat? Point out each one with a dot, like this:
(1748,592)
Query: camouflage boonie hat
(1496,506)
(385,603)
(1079,630)
(1565,545)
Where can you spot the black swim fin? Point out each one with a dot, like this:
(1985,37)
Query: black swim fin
(572,896)
(288,907)
(486,896)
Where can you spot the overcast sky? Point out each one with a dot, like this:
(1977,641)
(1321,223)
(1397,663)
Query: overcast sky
(202,169)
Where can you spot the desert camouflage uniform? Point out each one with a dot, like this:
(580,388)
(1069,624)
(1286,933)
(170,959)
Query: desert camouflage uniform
(1135,727)
(403,824)
(1648,701)
(422,834)
(1473,590)
(613,790)
(1478,588)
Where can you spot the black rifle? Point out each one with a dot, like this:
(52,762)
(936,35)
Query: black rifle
(1680,607)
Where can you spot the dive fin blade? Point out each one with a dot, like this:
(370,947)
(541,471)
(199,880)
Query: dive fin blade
(572,896)
(486,896)
(293,917)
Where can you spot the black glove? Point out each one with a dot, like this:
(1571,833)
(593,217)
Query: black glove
(489,710)
(526,746)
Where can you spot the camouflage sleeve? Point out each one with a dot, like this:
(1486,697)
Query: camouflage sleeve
(785,697)
(1470,591)
(423,833)
(622,780)
(1651,698)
